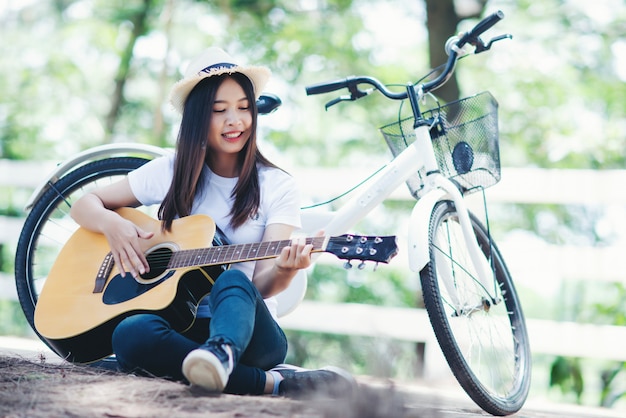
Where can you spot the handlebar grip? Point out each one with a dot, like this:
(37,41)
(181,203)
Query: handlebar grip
(485,24)
(326,87)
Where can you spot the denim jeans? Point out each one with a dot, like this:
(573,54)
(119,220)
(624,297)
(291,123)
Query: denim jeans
(146,343)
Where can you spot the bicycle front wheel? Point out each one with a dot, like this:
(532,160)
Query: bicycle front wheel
(49,225)
(480,328)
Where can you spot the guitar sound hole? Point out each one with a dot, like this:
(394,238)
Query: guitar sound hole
(158,260)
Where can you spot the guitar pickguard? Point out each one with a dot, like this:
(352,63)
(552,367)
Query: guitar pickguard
(124,288)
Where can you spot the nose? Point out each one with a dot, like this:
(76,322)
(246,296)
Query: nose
(232,117)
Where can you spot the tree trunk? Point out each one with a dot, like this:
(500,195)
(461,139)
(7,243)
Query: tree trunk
(140,26)
(158,129)
(441,22)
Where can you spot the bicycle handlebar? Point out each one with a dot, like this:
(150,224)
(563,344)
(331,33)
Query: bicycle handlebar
(351,84)
(453,48)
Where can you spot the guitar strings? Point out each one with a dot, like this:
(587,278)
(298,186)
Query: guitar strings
(189,257)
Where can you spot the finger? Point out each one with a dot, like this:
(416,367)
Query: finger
(118,264)
(305,249)
(287,258)
(287,254)
(144,234)
(143,266)
(140,260)
(298,246)
(299,243)
(137,260)
(127,264)
(300,254)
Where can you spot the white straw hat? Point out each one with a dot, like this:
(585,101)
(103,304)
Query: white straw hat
(215,61)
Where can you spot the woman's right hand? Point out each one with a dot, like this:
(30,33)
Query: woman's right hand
(124,238)
(95,211)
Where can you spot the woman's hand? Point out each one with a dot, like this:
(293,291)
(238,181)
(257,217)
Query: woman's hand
(296,256)
(95,212)
(125,240)
(272,276)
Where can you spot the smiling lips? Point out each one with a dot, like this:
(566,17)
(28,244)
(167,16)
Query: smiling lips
(232,136)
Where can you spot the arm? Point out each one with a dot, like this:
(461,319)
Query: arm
(95,211)
(274,275)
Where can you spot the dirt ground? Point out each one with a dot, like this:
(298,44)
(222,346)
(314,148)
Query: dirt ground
(48,389)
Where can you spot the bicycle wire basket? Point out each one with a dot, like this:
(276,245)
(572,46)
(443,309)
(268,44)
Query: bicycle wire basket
(465,140)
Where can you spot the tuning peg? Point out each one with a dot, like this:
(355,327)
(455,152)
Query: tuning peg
(347,265)
(361,265)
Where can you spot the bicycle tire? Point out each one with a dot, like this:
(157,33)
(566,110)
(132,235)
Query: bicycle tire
(485,344)
(48,226)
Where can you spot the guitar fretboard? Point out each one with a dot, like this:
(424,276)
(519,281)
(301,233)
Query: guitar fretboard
(227,254)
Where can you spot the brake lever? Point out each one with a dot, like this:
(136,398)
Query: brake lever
(355,94)
(344,98)
(480,46)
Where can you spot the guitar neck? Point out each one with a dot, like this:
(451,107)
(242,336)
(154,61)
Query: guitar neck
(236,253)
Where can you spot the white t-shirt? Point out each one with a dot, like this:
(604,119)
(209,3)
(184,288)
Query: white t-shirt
(279,203)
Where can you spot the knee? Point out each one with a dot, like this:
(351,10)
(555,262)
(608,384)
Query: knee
(232,279)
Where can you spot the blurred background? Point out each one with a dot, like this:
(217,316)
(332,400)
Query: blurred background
(79,73)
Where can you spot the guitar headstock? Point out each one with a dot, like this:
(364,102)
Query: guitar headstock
(364,248)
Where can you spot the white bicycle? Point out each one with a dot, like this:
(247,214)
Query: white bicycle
(442,154)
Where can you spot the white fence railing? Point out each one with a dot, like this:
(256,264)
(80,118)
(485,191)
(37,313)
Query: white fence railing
(532,263)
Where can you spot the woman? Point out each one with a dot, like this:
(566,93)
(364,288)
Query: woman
(235,344)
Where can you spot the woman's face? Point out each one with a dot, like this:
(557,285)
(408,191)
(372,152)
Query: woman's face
(231,120)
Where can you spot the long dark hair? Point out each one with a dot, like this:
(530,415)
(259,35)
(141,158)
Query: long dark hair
(189,160)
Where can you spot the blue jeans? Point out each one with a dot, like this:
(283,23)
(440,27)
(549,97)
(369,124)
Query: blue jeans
(147,343)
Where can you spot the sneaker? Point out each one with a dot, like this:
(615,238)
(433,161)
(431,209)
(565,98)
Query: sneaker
(328,381)
(209,366)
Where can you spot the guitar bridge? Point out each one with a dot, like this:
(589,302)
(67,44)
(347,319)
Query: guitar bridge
(103,272)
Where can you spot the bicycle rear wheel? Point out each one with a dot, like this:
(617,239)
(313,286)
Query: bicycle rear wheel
(481,331)
(49,225)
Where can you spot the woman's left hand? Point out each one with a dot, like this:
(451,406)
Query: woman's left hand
(272,276)
(296,256)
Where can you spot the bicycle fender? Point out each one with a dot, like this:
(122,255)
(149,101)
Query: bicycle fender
(92,154)
(419,225)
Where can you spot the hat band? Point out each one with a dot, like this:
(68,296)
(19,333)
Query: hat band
(219,65)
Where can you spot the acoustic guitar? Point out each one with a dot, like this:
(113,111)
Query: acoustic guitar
(84,296)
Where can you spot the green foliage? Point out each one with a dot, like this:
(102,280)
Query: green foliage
(611,308)
(12,320)
(562,108)
(597,303)
(566,374)
(610,393)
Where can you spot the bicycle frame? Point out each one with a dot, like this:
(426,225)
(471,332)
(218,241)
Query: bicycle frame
(417,155)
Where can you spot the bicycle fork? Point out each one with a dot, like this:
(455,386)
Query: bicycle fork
(437,187)
(419,231)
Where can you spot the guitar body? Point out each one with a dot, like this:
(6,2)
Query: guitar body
(78,321)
